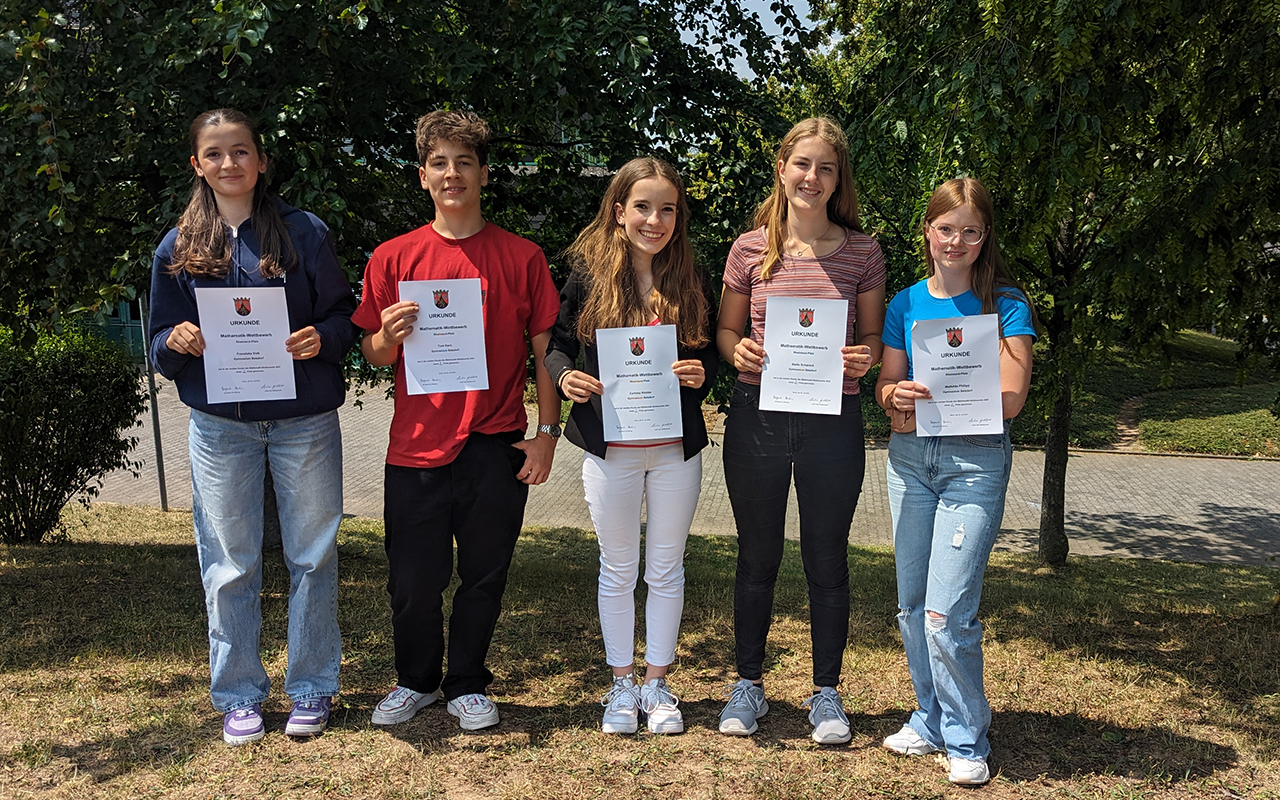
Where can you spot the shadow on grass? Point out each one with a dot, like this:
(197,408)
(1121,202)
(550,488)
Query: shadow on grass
(1241,535)
(155,744)
(1028,745)
(100,599)
(1197,627)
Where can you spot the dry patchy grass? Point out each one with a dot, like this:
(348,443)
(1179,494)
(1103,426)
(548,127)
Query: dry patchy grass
(1112,679)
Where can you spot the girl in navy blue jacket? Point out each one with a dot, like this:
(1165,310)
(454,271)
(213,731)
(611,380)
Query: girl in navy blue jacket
(235,233)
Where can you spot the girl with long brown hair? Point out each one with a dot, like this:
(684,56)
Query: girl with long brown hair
(633,266)
(235,233)
(807,242)
(946,493)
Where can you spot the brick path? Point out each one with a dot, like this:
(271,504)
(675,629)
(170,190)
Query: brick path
(1184,509)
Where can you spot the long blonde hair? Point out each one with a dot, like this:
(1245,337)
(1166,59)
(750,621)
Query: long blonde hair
(842,206)
(602,254)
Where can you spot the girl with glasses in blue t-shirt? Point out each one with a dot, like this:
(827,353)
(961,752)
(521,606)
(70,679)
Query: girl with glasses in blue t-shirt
(946,493)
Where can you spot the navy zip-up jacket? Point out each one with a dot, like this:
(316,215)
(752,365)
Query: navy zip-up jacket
(316,293)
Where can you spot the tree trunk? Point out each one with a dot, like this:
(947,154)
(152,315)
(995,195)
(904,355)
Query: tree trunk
(1053,534)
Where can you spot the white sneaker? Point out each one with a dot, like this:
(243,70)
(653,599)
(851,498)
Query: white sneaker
(909,743)
(401,704)
(621,706)
(826,714)
(967,772)
(661,707)
(474,711)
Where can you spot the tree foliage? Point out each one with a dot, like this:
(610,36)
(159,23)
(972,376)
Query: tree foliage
(98,94)
(1132,147)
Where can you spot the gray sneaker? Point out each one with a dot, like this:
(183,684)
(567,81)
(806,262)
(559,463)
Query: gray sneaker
(826,714)
(746,705)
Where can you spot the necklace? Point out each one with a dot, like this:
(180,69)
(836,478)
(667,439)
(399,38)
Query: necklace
(809,245)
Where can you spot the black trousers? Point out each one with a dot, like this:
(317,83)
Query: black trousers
(762,449)
(477,502)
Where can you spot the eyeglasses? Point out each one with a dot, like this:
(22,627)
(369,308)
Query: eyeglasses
(969,236)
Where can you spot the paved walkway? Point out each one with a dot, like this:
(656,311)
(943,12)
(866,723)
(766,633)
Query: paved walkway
(1183,509)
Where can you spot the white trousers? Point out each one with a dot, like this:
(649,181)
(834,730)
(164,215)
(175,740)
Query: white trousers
(614,488)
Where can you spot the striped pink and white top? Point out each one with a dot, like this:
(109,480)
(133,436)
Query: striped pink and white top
(856,267)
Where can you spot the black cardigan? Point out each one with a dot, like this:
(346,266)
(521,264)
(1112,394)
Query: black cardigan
(586,421)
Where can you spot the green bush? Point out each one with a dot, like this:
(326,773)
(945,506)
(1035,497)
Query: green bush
(63,405)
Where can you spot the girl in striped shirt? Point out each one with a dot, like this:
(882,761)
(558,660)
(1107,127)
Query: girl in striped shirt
(807,242)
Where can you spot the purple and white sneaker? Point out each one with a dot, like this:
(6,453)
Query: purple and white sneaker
(309,717)
(243,725)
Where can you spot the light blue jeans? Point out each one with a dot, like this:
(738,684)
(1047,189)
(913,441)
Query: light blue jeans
(946,495)
(228,462)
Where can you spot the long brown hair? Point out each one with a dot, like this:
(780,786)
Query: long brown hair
(203,247)
(603,255)
(990,277)
(842,206)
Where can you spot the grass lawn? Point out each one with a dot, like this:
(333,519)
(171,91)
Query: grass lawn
(1235,420)
(1198,361)
(1111,679)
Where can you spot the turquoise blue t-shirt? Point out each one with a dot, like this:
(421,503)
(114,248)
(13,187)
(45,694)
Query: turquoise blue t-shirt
(916,303)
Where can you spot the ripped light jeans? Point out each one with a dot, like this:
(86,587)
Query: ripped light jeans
(946,495)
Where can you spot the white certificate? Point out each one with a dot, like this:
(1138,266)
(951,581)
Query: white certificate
(803,368)
(445,351)
(958,359)
(641,393)
(245,357)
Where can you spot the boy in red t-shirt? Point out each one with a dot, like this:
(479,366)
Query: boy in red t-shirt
(458,466)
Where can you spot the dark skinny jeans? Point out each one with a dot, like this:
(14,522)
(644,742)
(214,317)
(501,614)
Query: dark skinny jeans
(761,449)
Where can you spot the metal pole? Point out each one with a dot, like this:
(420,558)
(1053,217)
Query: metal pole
(145,308)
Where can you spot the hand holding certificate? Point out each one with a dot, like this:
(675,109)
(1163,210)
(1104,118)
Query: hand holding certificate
(245,356)
(958,359)
(445,352)
(641,393)
(803,369)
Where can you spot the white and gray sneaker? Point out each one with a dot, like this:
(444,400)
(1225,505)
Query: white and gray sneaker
(909,743)
(400,705)
(826,714)
(661,707)
(621,706)
(746,705)
(474,711)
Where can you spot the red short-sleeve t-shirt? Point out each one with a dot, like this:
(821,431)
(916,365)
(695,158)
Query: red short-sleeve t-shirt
(519,298)
(855,267)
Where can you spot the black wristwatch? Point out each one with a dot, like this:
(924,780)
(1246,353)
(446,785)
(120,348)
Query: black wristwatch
(551,430)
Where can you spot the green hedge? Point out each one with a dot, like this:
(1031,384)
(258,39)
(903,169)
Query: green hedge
(64,404)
